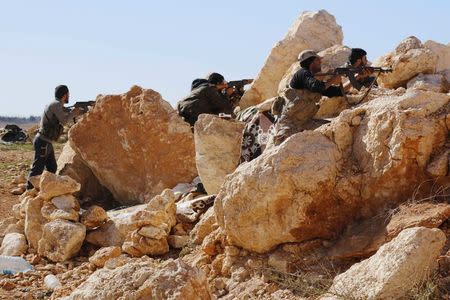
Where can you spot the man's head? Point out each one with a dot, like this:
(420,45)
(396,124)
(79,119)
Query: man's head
(358,57)
(310,60)
(62,93)
(217,79)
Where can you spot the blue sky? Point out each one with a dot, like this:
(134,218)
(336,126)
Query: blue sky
(104,47)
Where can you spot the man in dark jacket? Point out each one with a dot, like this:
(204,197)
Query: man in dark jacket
(51,127)
(206,97)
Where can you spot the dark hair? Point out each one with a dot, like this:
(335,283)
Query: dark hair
(307,62)
(60,91)
(356,54)
(215,78)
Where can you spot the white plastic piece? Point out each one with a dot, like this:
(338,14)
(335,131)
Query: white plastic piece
(52,282)
(13,265)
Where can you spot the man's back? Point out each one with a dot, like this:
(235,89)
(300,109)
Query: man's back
(52,120)
(205,98)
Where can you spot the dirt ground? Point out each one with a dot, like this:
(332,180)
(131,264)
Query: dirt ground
(15,160)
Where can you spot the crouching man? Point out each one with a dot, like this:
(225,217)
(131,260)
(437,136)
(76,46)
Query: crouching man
(297,104)
(207,97)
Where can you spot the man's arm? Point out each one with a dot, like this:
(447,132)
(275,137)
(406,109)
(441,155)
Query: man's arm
(63,115)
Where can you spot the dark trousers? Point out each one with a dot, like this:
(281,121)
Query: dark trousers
(44,158)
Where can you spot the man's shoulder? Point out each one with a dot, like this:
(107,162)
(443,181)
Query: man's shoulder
(54,103)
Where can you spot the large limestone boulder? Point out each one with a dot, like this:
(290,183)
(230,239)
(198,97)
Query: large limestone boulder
(61,240)
(365,160)
(135,144)
(218,149)
(145,278)
(312,30)
(333,57)
(407,60)
(14,244)
(395,269)
(443,53)
(71,164)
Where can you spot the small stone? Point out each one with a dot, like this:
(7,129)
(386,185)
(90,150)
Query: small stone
(52,185)
(152,232)
(356,121)
(93,217)
(178,229)
(17,191)
(104,254)
(7,285)
(240,275)
(51,212)
(178,241)
(232,251)
(219,283)
(19,179)
(66,202)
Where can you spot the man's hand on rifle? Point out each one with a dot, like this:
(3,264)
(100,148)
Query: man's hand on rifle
(366,73)
(230,90)
(76,111)
(335,80)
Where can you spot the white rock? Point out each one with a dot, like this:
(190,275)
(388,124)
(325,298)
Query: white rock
(144,278)
(395,269)
(443,53)
(409,59)
(61,240)
(218,149)
(66,202)
(429,82)
(312,30)
(14,244)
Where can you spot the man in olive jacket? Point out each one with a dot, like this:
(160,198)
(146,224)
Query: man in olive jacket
(206,97)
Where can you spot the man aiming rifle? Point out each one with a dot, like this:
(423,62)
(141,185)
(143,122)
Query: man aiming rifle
(51,127)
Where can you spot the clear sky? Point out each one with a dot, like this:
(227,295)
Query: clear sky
(104,47)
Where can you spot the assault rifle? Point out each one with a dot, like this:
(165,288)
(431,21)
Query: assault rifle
(83,105)
(351,72)
(238,92)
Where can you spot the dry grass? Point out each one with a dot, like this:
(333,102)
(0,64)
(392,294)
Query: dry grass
(303,284)
(428,289)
